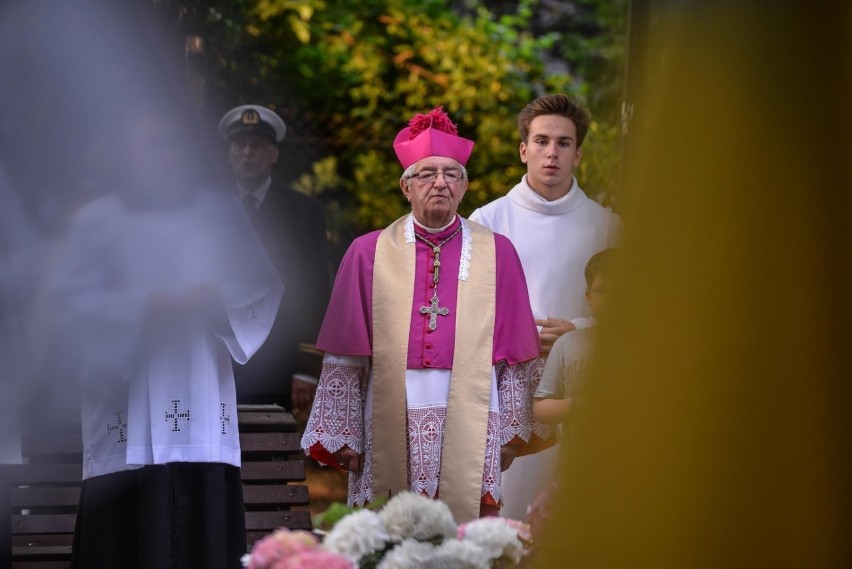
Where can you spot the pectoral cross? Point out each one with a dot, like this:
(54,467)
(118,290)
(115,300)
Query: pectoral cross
(433,311)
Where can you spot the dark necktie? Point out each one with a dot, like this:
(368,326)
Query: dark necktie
(250,203)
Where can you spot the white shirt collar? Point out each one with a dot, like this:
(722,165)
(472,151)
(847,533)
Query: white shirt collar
(259,194)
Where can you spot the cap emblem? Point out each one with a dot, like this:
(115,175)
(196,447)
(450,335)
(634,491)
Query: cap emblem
(250,116)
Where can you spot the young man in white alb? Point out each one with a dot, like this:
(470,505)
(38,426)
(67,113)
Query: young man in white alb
(556,228)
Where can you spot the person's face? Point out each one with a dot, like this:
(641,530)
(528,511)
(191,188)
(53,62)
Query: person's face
(596,294)
(252,157)
(435,202)
(551,154)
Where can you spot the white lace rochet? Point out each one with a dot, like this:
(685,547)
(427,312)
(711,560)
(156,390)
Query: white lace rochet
(337,419)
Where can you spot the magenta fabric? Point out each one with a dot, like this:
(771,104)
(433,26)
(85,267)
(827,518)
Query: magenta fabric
(347,328)
(431,142)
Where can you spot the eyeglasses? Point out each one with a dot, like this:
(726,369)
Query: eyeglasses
(429,176)
(241,144)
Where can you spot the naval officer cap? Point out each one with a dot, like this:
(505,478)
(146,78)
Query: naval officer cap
(252,118)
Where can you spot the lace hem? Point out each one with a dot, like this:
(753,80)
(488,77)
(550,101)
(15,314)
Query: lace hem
(361,483)
(425,443)
(337,416)
(492,475)
(515,394)
(542,431)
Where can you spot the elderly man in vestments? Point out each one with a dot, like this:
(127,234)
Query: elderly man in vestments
(556,228)
(430,347)
(160,287)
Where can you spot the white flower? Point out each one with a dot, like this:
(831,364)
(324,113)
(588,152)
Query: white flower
(410,554)
(455,554)
(356,535)
(411,515)
(496,536)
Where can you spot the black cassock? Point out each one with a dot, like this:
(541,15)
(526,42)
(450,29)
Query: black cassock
(180,515)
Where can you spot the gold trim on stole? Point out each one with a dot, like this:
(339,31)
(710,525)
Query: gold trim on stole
(393,290)
(466,429)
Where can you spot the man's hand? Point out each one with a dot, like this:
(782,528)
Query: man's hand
(508,453)
(302,394)
(349,459)
(551,329)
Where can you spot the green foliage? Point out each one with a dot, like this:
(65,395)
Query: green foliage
(390,59)
(324,521)
(599,170)
(363,68)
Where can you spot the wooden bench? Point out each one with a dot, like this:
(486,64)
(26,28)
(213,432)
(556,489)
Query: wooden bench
(39,499)
(272,460)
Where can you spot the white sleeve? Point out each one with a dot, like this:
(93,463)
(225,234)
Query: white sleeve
(250,286)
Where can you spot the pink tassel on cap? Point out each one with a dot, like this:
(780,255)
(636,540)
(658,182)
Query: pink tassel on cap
(437,118)
(432,134)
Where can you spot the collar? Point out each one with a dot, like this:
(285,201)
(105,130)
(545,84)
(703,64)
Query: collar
(259,194)
(523,195)
(439,233)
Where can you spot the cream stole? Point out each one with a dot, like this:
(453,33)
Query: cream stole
(465,432)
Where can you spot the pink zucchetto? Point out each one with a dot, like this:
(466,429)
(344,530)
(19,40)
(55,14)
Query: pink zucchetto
(432,134)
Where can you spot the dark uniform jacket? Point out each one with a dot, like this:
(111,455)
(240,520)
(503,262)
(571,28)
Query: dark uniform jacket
(292,227)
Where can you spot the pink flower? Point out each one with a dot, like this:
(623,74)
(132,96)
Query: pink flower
(279,545)
(312,559)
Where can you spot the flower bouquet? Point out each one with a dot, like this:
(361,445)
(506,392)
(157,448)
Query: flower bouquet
(409,532)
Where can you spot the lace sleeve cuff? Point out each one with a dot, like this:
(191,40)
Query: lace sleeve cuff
(337,416)
(517,383)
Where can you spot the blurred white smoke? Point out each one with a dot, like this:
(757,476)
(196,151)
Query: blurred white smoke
(100,178)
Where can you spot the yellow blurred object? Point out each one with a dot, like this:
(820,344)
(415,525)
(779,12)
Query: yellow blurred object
(715,430)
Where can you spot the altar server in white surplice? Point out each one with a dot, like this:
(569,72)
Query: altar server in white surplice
(160,287)
(556,229)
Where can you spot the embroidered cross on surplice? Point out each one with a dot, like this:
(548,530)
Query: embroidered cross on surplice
(120,427)
(175,416)
(226,420)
